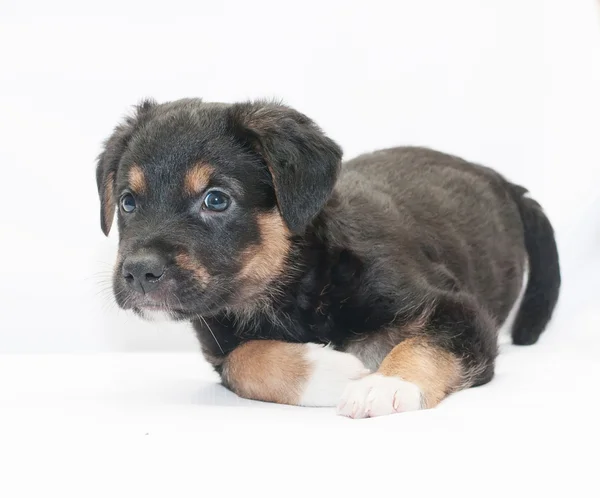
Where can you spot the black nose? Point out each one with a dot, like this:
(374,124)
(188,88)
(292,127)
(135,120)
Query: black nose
(143,271)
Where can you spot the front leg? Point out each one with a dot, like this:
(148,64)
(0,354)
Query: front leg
(451,347)
(292,374)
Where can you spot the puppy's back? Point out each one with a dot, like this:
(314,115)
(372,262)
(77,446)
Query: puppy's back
(439,213)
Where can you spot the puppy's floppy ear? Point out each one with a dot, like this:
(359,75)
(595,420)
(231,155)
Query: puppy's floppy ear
(303,162)
(109,159)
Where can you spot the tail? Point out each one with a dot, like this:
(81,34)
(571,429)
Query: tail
(543,286)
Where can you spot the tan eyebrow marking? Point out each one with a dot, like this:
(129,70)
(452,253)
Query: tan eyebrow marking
(197,178)
(137,179)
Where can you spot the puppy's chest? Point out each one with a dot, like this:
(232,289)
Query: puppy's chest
(337,312)
(329,304)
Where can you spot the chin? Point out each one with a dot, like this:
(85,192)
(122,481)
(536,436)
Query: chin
(155,315)
(158,314)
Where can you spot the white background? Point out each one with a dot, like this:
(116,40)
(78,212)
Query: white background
(514,84)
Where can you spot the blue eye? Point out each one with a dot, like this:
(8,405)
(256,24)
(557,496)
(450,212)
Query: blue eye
(216,201)
(128,203)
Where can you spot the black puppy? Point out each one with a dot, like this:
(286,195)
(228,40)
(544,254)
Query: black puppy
(301,275)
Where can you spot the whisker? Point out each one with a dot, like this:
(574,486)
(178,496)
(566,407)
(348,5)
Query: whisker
(212,333)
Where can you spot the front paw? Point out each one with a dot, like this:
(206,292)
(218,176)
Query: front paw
(330,372)
(377,395)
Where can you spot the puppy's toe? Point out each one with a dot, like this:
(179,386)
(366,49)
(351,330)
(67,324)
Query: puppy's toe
(377,395)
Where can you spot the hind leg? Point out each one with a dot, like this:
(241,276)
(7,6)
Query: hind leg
(452,348)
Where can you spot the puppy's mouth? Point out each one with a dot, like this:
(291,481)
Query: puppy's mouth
(153,307)
(159,312)
(164,306)
(173,295)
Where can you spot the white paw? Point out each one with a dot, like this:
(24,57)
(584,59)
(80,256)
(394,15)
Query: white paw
(377,395)
(330,373)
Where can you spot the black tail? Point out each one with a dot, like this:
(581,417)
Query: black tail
(543,286)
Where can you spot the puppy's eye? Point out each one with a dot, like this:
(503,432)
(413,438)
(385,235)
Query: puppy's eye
(128,203)
(216,200)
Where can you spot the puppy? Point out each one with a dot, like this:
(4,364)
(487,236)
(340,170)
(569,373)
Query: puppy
(377,286)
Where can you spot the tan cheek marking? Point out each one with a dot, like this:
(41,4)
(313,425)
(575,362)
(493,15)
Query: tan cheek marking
(265,261)
(109,200)
(137,180)
(197,178)
(436,371)
(186,262)
(272,371)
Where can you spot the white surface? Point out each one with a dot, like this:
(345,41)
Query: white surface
(509,83)
(73,418)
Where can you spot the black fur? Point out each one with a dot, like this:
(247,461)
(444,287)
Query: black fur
(396,237)
(543,286)
(304,163)
(110,158)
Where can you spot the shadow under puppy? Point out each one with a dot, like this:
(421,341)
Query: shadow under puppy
(377,285)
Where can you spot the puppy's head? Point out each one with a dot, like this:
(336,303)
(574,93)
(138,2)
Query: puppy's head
(207,198)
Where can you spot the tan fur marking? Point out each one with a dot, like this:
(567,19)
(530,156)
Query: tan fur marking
(197,178)
(372,349)
(272,371)
(137,180)
(109,201)
(265,261)
(186,262)
(436,371)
